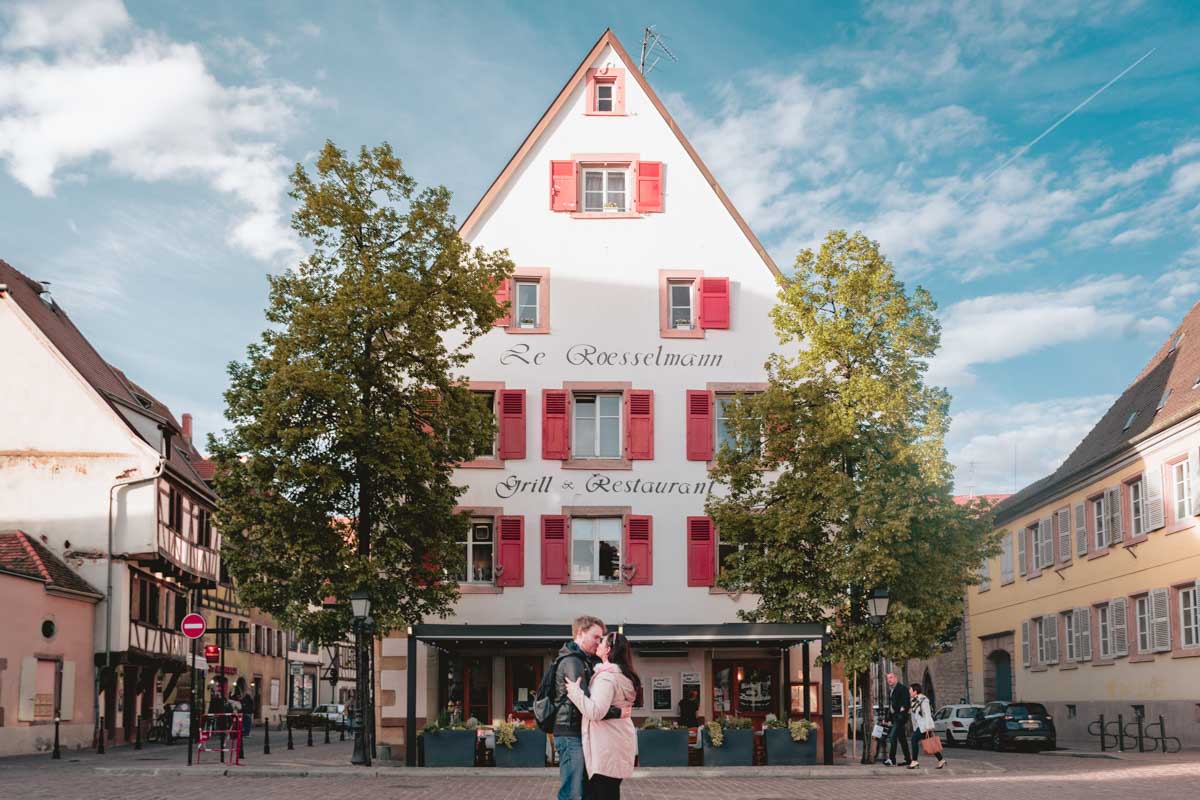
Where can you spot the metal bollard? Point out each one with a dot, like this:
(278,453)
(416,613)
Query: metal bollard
(137,736)
(342,731)
(1141,733)
(1121,732)
(57,753)
(100,739)
(266,739)
(1103,740)
(289,727)
(327,730)
(310,732)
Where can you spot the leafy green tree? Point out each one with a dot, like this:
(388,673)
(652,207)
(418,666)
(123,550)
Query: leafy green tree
(841,483)
(348,415)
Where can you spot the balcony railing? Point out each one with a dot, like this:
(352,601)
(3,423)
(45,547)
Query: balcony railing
(186,555)
(157,641)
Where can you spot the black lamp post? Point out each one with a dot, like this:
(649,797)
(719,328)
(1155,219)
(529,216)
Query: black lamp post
(877,604)
(360,605)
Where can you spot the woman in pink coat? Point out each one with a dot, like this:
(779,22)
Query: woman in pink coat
(609,745)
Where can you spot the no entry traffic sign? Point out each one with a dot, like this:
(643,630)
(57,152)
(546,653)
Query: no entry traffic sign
(193,626)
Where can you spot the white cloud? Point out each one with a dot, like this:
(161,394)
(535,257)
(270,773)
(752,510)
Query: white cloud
(151,110)
(57,23)
(996,328)
(1006,449)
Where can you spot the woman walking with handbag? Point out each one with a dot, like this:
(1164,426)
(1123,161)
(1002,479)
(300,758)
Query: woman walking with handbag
(923,730)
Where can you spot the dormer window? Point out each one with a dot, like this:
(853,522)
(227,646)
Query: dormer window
(606,92)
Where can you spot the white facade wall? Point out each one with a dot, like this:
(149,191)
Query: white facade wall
(604,294)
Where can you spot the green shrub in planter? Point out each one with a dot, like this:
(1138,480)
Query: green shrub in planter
(662,744)
(517,746)
(449,748)
(790,743)
(728,743)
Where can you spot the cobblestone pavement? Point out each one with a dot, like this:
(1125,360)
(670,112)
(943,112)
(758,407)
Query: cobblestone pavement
(1024,776)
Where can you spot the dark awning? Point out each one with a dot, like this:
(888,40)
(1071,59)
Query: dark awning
(729,634)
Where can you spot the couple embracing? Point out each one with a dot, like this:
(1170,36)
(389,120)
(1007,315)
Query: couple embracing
(595,687)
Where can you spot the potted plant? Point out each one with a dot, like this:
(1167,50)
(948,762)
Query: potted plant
(790,742)
(662,744)
(728,742)
(519,746)
(450,743)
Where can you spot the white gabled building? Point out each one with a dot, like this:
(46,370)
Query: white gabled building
(640,302)
(99,472)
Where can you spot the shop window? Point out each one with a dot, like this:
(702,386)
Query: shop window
(745,688)
(524,675)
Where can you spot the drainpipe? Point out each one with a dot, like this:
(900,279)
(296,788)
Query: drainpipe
(108,593)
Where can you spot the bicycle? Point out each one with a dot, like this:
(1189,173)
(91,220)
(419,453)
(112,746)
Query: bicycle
(160,730)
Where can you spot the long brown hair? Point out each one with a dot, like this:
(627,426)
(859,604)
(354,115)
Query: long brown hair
(621,654)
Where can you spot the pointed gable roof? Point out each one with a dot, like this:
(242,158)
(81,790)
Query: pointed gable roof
(607,39)
(21,554)
(1171,379)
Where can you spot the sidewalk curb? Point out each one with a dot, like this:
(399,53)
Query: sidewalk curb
(1081,754)
(847,772)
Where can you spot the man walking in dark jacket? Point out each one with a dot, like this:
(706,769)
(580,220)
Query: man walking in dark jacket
(899,702)
(575,660)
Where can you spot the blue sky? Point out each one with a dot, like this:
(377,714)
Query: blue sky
(144,150)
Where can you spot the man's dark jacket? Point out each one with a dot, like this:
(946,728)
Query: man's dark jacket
(573,663)
(900,699)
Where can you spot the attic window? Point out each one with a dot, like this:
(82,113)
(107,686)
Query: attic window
(143,400)
(1163,401)
(606,92)
(1129,421)
(1175,344)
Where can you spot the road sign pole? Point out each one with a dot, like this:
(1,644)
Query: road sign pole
(192,708)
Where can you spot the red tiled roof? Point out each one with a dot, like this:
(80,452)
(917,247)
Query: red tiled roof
(966,499)
(23,555)
(1171,377)
(109,381)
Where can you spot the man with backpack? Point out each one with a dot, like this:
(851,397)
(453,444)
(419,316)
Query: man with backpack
(555,714)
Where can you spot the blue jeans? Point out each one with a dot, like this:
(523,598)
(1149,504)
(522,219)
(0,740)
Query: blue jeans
(572,774)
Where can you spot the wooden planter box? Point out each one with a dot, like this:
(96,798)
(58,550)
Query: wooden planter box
(736,751)
(783,752)
(663,748)
(529,751)
(449,748)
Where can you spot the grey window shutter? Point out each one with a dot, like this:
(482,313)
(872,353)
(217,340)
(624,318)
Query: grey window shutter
(1081,547)
(1006,558)
(1064,535)
(1025,642)
(1084,626)
(1152,497)
(1160,608)
(1045,527)
(1193,472)
(1118,612)
(1050,626)
(1116,522)
(1022,561)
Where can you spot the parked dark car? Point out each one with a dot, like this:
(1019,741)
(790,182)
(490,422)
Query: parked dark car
(1002,725)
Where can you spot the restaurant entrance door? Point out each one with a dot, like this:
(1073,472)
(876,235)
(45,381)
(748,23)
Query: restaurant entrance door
(745,688)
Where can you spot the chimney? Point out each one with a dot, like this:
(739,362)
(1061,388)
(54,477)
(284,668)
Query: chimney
(187,427)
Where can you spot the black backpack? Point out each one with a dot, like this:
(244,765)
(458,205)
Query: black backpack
(545,704)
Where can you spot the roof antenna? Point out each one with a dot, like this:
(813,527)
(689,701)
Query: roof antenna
(651,41)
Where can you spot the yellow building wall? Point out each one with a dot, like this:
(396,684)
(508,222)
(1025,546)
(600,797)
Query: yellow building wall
(1166,682)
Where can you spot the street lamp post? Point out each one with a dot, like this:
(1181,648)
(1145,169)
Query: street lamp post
(877,604)
(360,605)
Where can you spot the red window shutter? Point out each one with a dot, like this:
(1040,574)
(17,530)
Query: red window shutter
(556,432)
(639,425)
(512,423)
(714,302)
(503,295)
(510,553)
(564,190)
(649,187)
(639,550)
(554,549)
(699,426)
(700,551)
